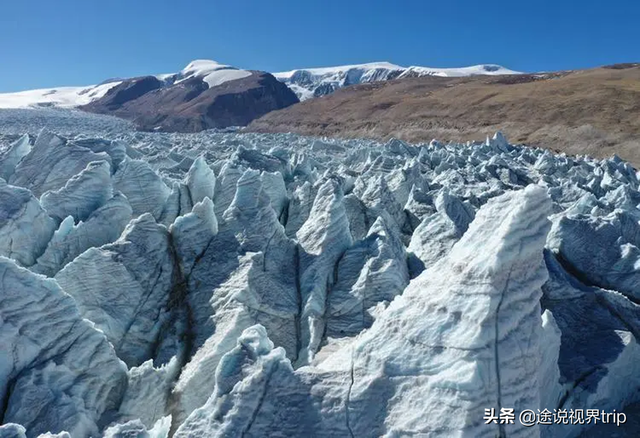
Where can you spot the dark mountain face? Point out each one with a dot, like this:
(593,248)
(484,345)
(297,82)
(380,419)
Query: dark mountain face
(190,105)
(129,90)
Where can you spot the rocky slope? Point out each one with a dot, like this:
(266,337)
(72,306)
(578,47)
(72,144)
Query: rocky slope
(579,112)
(267,285)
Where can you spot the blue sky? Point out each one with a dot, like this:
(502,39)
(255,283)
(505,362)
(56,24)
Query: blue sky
(46,43)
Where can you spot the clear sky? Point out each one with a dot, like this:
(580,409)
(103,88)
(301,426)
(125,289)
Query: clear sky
(46,43)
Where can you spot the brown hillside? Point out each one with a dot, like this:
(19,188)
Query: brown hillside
(595,111)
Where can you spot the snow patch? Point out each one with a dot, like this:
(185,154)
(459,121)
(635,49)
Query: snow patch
(212,72)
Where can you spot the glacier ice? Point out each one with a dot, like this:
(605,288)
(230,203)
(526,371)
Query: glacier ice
(82,194)
(323,239)
(135,428)
(104,225)
(274,186)
(57,371)
(51,162)
(223,284)
(177,203)
(599,342)
(12,156)
(371,272)
(241,381)
(193,232)
(230,173)
(551,390)
(407,358)
(300,205)
(617,235)
(115,149)
(144,189)
(201,181)
(12,430)
(133,277)
(255,283)
(439,231)
(461,338)
(147,394)
(26,228)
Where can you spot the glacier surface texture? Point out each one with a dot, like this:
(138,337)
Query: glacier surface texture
(228,284)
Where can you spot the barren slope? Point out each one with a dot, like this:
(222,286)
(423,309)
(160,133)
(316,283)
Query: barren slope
(595,111)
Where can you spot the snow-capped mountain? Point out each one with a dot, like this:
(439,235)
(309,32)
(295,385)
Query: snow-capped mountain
(306,83)
(204,95)
(222,285)
(210,72)
(314,82)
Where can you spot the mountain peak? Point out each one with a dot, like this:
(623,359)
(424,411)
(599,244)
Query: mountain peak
(203,65)
(211,72)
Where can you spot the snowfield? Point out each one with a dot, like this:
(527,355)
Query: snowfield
(62,97)
(226,284)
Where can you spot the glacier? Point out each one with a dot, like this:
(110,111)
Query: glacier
(238,284)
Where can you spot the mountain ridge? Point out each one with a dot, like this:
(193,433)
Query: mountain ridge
(72,96)
(592,111)
(315,82)
(194,102)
